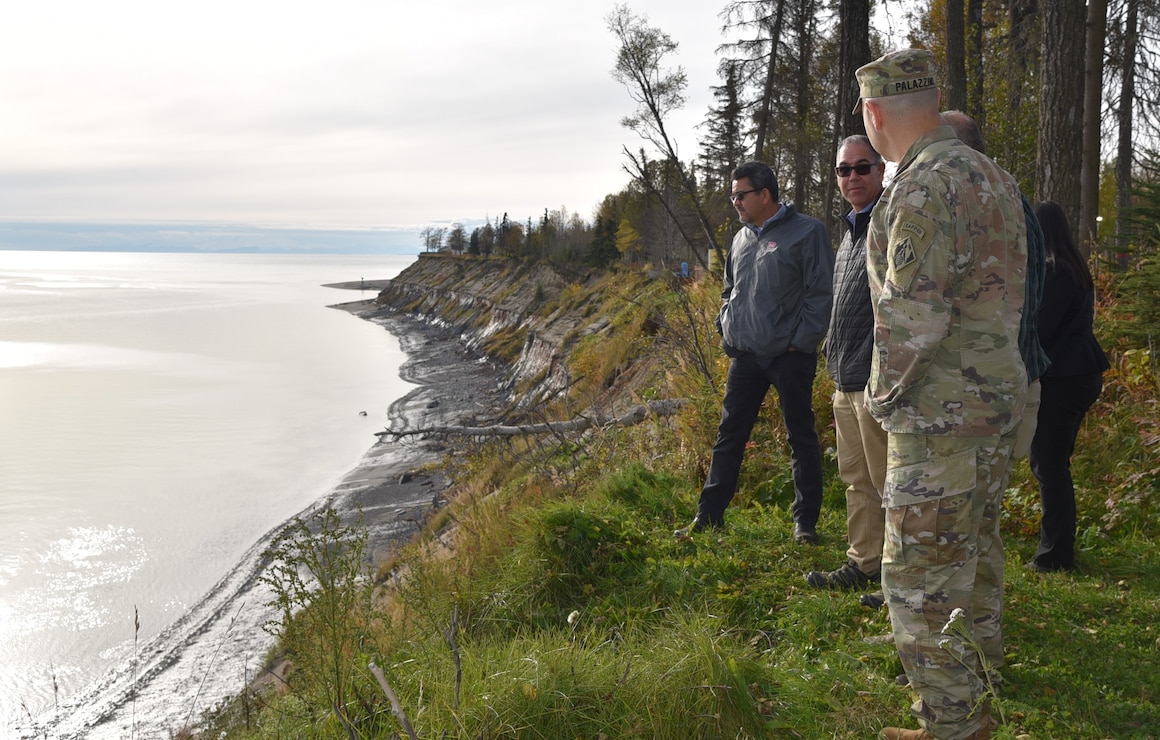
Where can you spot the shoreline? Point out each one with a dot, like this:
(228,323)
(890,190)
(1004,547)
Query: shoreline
(395,486)
(197,660)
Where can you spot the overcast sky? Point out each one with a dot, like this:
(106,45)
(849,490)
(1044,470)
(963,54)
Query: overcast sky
(337,114)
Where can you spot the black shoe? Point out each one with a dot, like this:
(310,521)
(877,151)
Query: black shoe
(805,534)
(874,600)
(1045,568)
(846,578)
(697,525)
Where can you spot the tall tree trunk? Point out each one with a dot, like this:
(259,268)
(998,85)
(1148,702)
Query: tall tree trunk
(1097,27)
(853,52)
(1060,155)
(955,86)
(770,74)
(1124,121)
(1022,44)
(974,63)
(803,171)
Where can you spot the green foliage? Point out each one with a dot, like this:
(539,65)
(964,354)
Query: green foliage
(567,609)
(1076,645)
(579,548)
(1143,216)
(645,491)
(318,578)
(1140,304)
(602,251)
(1117,476)
(581,680)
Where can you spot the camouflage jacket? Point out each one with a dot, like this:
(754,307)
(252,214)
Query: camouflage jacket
(947,259)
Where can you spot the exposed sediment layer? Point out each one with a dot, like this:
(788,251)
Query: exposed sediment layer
(396,485)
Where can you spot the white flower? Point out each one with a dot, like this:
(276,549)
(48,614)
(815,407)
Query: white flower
(957,622)
(573,616)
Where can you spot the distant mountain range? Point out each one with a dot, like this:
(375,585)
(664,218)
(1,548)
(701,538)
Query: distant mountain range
(224,238)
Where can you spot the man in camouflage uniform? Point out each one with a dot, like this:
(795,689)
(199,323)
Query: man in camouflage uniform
(1035,360)
(947,257)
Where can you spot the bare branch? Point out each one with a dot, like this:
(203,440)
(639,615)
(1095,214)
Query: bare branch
(396,707)
(635,415)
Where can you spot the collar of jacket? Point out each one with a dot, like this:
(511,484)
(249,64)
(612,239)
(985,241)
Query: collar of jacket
(861,220)
(785,211)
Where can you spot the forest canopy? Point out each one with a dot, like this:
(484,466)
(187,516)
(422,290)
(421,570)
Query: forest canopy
(1079,129)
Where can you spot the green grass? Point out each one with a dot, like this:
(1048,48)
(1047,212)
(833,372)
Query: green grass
(594,622)
(567,610)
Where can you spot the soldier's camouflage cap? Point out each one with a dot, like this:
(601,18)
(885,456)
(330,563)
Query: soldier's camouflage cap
(906,71)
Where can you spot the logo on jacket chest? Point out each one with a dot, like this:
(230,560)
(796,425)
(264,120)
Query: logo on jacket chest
(770,246)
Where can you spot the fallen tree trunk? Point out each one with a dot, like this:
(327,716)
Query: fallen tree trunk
(635,415)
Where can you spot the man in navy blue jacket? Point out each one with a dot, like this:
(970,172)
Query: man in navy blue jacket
(774,313)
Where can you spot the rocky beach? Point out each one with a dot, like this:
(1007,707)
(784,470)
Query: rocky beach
(398,482)
(443,311)
(218,646)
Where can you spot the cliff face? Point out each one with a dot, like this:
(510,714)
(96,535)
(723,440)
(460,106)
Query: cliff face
(509,310)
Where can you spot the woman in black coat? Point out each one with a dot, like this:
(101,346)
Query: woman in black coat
(1071,385)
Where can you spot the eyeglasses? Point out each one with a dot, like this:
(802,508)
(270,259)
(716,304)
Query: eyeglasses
(735,197)
(844,170)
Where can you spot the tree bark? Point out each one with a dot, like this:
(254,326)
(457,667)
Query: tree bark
(955,86)
(1125,125)
(1060,154)
(396,706)
(1097,27)
(853,52)
(804,111)
(1021,59)
(974,63)
(764,117)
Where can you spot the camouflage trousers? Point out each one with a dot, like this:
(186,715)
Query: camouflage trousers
(943,552)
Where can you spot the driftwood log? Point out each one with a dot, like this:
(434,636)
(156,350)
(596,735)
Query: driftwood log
(634,415)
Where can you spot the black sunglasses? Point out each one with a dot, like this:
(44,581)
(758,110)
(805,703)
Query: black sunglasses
(844,170)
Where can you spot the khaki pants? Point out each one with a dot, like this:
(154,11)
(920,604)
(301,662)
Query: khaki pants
(862,467)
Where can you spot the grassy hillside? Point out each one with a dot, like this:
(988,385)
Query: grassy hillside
(550,600)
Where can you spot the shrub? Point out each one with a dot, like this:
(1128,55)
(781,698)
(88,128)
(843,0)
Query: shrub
(322,591)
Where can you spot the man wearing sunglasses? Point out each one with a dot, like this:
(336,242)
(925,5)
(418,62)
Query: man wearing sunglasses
(849,347)
(774,313)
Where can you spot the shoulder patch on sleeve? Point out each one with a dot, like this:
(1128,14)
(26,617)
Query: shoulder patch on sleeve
(910,237)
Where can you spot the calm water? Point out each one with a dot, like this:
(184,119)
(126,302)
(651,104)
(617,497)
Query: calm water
(159,414)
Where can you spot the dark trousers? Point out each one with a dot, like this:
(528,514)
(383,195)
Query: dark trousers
(792,376)
(1064,403)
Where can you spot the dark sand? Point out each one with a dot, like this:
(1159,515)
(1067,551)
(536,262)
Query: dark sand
(399,482)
